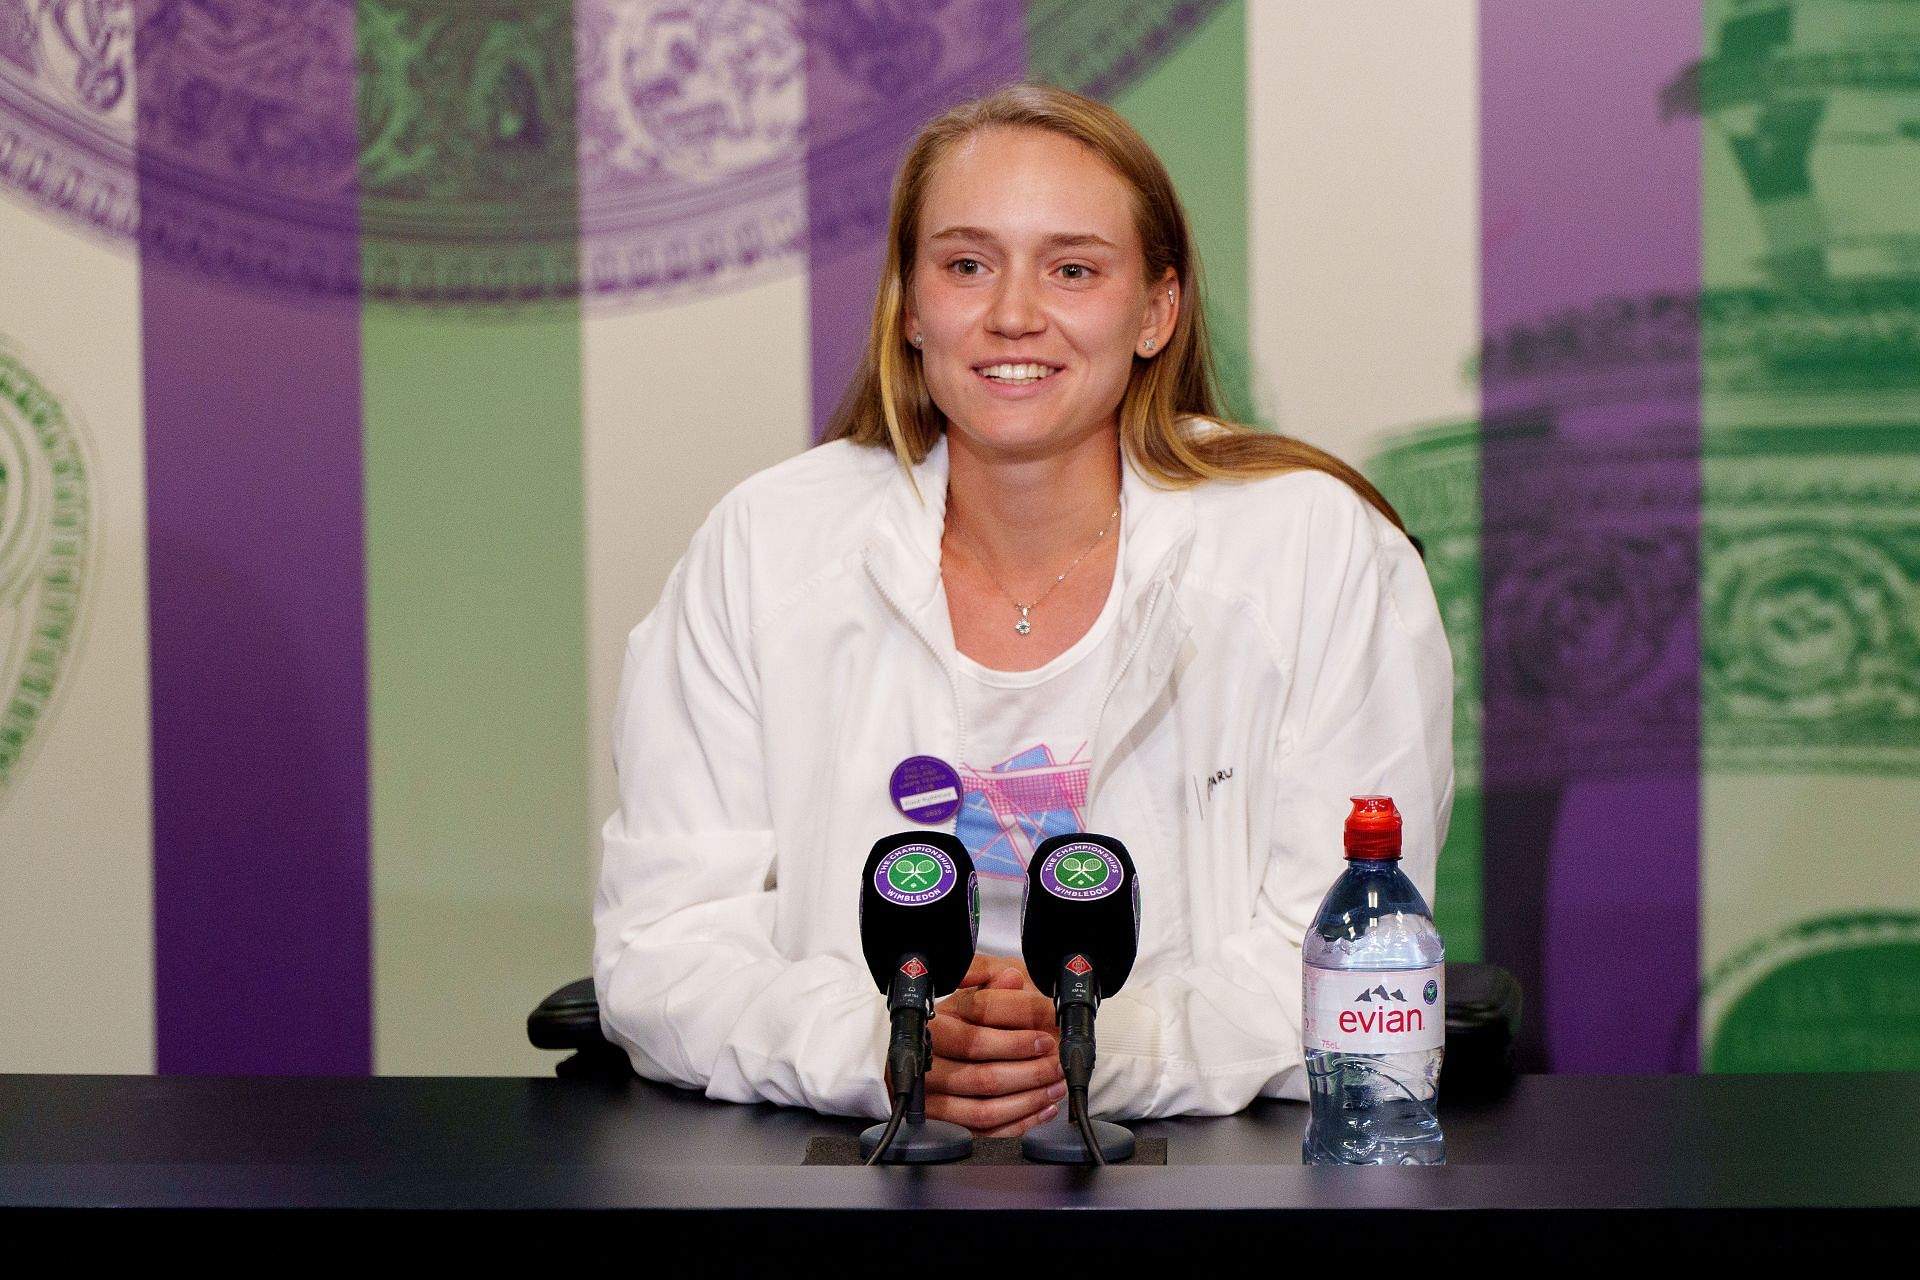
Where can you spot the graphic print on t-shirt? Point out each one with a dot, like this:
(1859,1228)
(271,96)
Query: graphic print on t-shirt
(1010,807)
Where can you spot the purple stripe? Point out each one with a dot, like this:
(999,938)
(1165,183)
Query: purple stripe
(257,609)
(872,80)
(1590,498)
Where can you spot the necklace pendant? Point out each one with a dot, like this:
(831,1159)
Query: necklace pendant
(1023,626)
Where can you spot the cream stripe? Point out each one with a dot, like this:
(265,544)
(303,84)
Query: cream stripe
(681,404)
(76,849)
(1364,226)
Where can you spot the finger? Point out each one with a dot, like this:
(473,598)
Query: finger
(997,965)
(988,967)
(969,991)
(991,1079)
(985,1114)
(1016,1112)
(970,1042)
(982,971)
(1014,1010)
(1019,1127)
(1014,980)
(958,1005)
(961,1006)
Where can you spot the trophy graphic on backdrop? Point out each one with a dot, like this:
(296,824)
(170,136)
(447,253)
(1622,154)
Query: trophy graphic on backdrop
(439,152)
(1745,550)
(46,549)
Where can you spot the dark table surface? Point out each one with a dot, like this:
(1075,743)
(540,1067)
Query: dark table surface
(1556,1149)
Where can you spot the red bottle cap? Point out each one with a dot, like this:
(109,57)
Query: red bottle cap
(1373,829)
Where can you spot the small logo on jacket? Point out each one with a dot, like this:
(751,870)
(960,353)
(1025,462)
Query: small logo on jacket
(1204,786)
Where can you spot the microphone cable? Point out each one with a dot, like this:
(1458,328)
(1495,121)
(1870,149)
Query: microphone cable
(893,1127)
(905,1046)
(1077,1112)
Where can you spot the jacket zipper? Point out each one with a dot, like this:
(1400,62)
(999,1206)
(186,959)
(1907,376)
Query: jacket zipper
(953,680)
(1146,629)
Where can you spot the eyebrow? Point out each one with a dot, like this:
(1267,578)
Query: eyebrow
(1058,240)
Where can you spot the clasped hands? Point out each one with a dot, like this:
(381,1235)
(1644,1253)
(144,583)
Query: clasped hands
(996,1052)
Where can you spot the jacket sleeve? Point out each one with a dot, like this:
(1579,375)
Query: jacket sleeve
(690,980)
(1369,710)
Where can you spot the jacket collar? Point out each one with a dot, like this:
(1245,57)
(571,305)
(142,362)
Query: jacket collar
(903,555)
(903,550)
(1153,627)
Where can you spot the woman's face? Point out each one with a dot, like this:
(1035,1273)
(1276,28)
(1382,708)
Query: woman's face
(1029,291)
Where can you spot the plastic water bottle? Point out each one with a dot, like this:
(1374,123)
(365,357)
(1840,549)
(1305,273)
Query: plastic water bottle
(1375,1007)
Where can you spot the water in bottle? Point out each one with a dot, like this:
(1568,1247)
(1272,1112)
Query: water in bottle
(1375,1007)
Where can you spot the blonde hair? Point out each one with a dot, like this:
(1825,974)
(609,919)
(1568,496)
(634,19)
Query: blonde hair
(887,403)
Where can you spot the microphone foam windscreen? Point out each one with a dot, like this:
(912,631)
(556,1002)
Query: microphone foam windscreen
(919,893)
(1082,897)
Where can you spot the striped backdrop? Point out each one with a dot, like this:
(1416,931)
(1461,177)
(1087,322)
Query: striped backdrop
(364,367)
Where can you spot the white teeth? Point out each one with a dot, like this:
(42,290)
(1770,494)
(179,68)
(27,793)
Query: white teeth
(1019,374)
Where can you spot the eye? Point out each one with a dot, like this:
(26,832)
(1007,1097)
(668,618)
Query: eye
(964,266)
(1077,271)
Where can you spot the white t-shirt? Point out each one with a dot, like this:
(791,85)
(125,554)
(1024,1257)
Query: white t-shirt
(1029,737)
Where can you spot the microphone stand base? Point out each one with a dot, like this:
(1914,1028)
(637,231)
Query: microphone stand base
(920,1142)
(1059,1142)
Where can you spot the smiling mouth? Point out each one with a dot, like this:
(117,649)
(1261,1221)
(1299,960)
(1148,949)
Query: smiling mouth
(1016,375)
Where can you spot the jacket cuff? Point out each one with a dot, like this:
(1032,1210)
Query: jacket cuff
(1129,1026)
(1131,1058)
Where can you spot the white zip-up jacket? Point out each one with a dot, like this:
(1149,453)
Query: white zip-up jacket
(1279,652)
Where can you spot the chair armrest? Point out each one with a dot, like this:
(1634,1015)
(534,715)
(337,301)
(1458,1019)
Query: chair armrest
(1483,1022)
(567,1019)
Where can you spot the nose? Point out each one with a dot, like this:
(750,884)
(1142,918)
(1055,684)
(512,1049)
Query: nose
(1016,310)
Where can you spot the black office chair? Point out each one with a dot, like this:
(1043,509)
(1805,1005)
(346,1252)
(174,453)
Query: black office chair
(569,1019)
(1483,1020)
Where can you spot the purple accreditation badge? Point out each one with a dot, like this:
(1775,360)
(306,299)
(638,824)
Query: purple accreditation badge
(925,789)
(1081,872)
(914,875)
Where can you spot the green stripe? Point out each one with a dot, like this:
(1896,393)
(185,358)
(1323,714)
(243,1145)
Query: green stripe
(1192,109)
(475,607)
(1809,545)
(1432,477)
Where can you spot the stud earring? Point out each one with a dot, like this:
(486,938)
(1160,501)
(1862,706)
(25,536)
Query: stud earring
(918,341)
(1169,295)
(1149,346)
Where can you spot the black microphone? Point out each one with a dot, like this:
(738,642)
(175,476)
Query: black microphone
(1079,934)
(919,918)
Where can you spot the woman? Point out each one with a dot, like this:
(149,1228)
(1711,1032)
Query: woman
(1032,560)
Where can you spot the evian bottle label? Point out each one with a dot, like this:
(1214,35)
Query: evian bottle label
(1393,1011)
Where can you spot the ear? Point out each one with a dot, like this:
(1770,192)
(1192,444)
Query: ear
(1163,312)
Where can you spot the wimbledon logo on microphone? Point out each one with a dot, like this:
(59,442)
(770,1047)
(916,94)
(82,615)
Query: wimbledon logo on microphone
(1081,872)
(914,875)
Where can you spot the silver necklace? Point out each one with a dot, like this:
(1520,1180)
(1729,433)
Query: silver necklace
(1024,626)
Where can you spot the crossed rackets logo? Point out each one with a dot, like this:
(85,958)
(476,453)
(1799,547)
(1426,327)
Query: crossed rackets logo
(1081,873)
(912,875)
